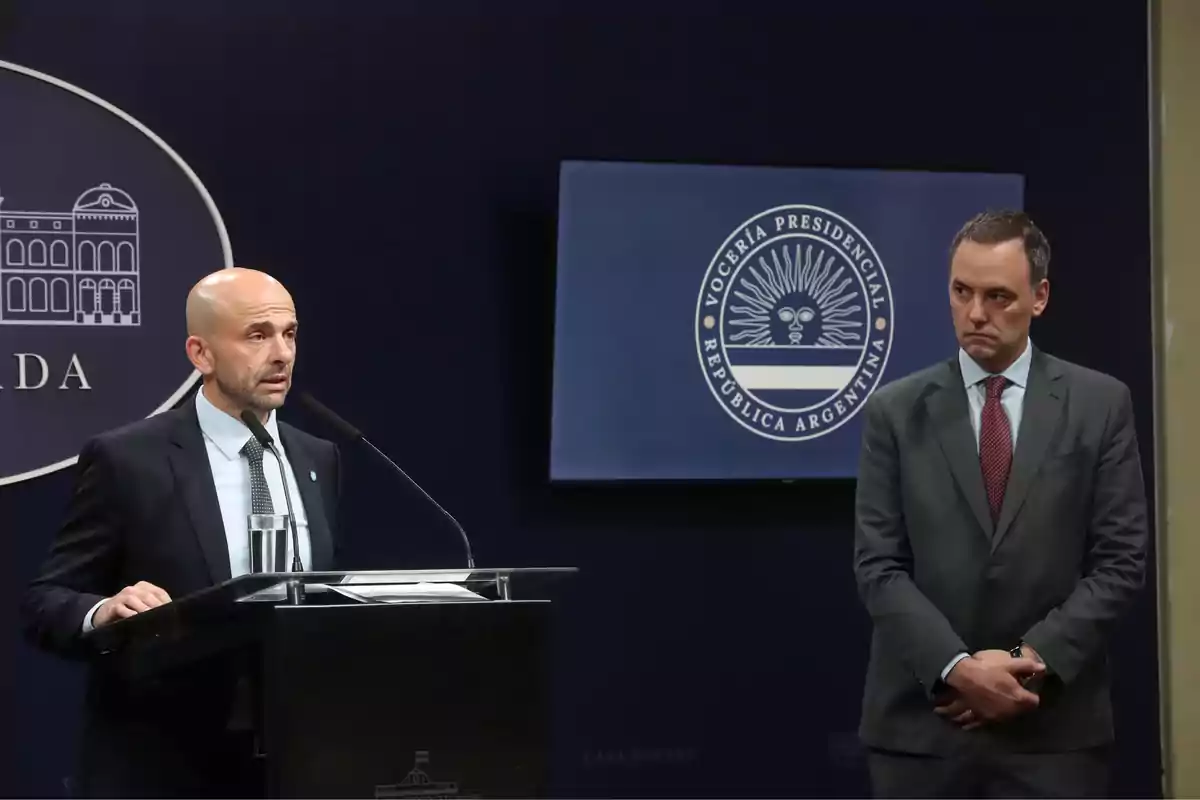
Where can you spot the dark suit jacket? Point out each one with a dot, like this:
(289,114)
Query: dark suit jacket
(145,509)
(1059,567)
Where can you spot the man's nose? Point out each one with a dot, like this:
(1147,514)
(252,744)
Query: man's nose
(282,349)
(975,313)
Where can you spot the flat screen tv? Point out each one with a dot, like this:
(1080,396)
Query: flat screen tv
(728,322)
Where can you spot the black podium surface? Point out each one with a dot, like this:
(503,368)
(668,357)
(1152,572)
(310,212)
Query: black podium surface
(372,684)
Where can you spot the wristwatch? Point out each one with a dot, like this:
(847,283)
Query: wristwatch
(1016,652)
(1033,682)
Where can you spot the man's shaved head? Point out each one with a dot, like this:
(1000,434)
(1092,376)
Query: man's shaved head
(216,294)
(242,338)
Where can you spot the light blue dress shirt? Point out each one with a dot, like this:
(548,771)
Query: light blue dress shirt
(1012,399)
(224,437)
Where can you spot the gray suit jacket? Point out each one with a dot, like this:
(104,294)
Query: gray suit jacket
(1059,567)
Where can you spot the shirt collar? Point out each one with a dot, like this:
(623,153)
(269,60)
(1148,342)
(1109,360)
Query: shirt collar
(228,434)
(1017,372)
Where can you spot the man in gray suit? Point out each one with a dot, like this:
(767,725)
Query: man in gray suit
(1000,531)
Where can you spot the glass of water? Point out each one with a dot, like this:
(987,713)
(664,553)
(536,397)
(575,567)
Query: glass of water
(268,541)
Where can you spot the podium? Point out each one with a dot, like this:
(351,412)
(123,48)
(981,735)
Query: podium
(386,684)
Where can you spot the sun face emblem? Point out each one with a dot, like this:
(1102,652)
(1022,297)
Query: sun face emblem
(794,322)
(795,318)
(796,300)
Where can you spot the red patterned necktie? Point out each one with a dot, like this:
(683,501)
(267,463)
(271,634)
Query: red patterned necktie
(995,445)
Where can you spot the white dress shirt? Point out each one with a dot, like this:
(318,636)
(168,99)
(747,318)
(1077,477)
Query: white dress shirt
(1012,399)
(224,437)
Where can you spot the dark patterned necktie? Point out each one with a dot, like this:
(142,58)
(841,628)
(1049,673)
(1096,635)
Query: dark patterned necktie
(995,445)
(260,493)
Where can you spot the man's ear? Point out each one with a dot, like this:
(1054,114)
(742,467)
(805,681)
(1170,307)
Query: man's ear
(199,354)
(1041,296)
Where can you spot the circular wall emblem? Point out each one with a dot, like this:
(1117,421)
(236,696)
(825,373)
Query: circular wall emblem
(103,229)
(794,322)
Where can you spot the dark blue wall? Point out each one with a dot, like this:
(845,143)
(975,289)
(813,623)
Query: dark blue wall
(396,163)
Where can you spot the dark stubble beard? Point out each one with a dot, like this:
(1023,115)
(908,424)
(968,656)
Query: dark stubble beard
(244,398)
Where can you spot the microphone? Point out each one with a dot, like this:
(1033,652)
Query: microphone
(351,432)
(260,432)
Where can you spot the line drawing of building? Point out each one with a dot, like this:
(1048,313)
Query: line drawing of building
(81,267)
(418,784)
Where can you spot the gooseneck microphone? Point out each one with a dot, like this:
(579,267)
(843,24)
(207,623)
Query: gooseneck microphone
(264,438)
(351,432)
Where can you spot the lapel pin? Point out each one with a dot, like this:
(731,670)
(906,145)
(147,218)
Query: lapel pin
(312,475)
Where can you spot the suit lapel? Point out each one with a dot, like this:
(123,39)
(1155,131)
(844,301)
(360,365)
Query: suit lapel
(1039,418)
(193,475)
(303,468)
(951,418)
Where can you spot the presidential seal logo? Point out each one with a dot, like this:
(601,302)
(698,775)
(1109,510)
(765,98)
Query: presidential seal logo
(103,229)
(794,322)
